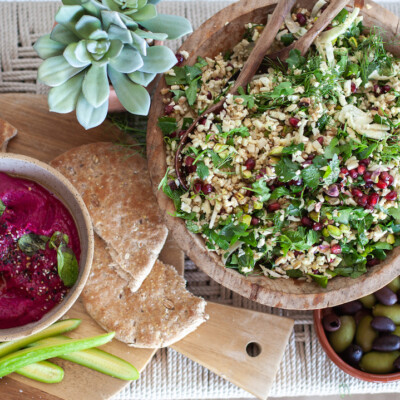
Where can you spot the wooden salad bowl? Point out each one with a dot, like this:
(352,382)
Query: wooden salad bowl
(218,34)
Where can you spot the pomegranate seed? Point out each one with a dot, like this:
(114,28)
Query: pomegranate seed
(189,161)
(172,185)
(367,176)
(317,226)
(250,164)
(202,121)
(336,249)
(369,184)
(365,161)
(372,262)
(180,58)
(255,221)
(377,90)
(168,110)
(197,187)
(320,140)
(301,19)
(391,196)
(307,222)
(273,207)
(297,253)
(249,193)
(294,122)
(361,169)
(328,28)
(173,134)
(353,87)
(353,173)
(381,184)
(390,181)
(356,192)
(344,171)
(207,188)
(362,201)
(385,88)
(384,176)
(311,157)
(373,199)
(374,108)
(209,96)
(190,169)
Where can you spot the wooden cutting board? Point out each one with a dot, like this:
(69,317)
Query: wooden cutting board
(243,346)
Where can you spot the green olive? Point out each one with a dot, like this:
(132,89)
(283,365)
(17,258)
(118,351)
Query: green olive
(392,312)
(366,334)
(368,301)
(379,363)
(396,331)
(394,286)
(342,338)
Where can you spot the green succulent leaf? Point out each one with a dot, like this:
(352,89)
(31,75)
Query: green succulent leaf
(147,12)
(89,116)
(140,43)
(95,86)
(128,61)
(111,17)
(63,98)
(151,35)
(86,25)
(111,4)
(133,97)
(122,34)
(153,1)
(141,78)
(63,35)
(115,49)
(93,7)
(99,34)
(70,55)
(46,47)
(55,71)
(69,16)
(158,59)
(174,26)
(81,52)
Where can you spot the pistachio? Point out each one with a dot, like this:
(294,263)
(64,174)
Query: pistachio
(258,205)
(344,228)
(246,219)
(238,196)
(276,151)
(325,232)
(334,231)
(314,216)
(273,160)
(390,238)
(246,174)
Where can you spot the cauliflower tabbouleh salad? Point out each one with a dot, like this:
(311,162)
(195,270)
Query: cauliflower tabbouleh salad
(298,176)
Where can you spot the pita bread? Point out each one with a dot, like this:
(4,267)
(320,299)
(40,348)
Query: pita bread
(115,185)
(160,313)
(7,132)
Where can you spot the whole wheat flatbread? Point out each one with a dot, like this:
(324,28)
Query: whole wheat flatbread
(115,185)
(160,313)
(7,132)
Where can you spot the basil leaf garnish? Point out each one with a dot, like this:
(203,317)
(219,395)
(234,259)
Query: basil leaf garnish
(57,239)
(31,243)
(67,264)
(2,208)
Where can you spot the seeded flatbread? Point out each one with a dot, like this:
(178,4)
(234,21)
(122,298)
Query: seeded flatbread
(160,313)
(7,132)
(115,185)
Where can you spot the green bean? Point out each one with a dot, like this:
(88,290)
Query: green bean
(343,337)
(379,363)
(392,312)
(366,334)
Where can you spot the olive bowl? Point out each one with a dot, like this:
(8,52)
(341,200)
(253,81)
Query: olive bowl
(336,359)
(58,185)
(217,35)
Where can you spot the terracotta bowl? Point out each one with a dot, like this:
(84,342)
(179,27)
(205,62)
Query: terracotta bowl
(356,373)
(57,184)
(218,34)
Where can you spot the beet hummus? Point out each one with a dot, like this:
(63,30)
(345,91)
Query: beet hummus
(39,251)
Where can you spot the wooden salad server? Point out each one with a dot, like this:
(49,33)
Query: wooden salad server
(249,69)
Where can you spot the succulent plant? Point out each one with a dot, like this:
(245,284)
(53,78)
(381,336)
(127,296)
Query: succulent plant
(96,42)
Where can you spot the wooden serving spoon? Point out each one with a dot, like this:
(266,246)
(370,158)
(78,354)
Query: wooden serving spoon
(249,69)
(304,43)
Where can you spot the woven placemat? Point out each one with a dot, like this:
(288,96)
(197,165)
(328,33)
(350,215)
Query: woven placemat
(304,370)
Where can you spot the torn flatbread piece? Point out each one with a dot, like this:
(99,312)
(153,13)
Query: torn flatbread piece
(115,185)
(160,313)
(7,132)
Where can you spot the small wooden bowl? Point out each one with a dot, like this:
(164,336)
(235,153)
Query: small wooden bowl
(335,358)
(57,184)
(220,33)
